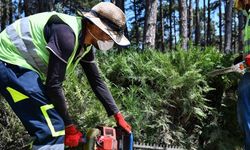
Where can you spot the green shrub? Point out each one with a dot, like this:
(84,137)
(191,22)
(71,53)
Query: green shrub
(167,97)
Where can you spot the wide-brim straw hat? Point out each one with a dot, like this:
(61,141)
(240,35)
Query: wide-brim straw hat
(110,19)
(242,4)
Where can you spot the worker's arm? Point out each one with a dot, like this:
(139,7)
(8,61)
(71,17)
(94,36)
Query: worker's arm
(98,86)
(53,88)
(101,91)
(60,50)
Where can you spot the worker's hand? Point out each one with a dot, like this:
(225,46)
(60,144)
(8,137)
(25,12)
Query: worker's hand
(72,136)
(247,60)
(122,123)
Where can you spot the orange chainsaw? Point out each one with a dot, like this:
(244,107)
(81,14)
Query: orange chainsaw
(106,138)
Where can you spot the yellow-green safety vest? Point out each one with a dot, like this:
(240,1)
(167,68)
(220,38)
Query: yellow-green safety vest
(246,33)
(23,43)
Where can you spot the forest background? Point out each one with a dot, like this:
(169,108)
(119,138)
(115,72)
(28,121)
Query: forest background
(160,81)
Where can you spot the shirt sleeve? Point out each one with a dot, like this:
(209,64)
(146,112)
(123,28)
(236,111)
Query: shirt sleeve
(97,84)
(60,50)
(53,87)
(61,40)
(89,57)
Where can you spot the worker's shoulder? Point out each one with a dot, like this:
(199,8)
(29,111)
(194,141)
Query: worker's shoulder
(62,30)
(51,13)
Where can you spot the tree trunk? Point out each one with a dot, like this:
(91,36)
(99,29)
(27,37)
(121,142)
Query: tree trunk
(10,12)
(51,5)
(190,20)
(240,31)
(204,25)
(136,26)
(30,7)
(120,4)
(36,6)
(20,9)
(228,26)
(197,23)
(170,26)
(220,25)
(4,15)
(150,24)
(175,32)
(161,28)
(183,24)
(234,36)
(208,23)
(1,14)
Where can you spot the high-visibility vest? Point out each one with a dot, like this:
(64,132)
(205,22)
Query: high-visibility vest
(23,43)
(246,33)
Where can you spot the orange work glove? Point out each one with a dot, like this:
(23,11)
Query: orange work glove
(72,136)
(122,123)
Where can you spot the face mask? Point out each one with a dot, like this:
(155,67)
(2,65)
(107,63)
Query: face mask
(103,45)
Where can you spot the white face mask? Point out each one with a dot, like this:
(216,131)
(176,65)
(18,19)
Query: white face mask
(103,45)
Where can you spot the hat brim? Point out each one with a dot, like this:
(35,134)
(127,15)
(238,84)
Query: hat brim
(118,39)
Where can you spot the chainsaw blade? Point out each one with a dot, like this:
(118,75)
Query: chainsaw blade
(239,68)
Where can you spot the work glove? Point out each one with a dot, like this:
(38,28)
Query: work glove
(121,122)
(72,136)
(247,60)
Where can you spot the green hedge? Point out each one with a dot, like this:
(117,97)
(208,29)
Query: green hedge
(167,98)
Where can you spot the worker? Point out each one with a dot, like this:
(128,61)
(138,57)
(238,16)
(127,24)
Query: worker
(38,51)
(243,106)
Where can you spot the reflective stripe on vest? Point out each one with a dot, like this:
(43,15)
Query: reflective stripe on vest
(25,45)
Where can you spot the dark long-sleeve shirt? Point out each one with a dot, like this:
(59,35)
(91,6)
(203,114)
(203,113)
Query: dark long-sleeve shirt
(61,39)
